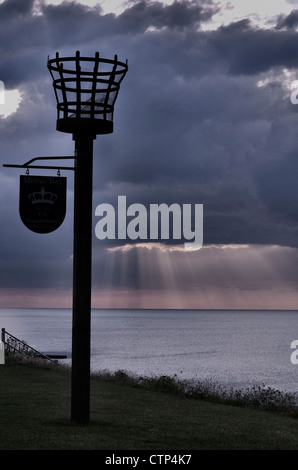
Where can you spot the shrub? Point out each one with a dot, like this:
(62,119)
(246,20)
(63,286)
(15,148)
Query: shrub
(163,383)
(257,396)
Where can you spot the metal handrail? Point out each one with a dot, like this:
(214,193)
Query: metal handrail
(15,345)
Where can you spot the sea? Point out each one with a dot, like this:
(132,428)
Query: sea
(233,348)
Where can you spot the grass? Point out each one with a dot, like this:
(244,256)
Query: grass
(136,414)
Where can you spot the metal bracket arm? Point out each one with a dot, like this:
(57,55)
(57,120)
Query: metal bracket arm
(28,164)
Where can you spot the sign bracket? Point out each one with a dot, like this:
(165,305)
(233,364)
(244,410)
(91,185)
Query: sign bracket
(43,167)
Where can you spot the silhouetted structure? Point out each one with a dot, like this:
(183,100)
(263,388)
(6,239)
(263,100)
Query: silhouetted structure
(86,89)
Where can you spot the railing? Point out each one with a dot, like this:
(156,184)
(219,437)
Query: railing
(15,346)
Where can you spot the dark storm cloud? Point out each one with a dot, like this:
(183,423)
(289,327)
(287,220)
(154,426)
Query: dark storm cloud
(288,22)
(177,16)
(20,35)
(15,10)
(192,124)
(280,194)
(249,50)
(23,35)
(234,48)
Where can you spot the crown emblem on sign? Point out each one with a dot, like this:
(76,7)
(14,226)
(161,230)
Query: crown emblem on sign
(42,197)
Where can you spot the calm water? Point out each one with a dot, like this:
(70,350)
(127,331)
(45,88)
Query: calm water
(238,348)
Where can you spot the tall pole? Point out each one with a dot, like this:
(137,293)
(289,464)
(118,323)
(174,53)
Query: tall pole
(82,268)
(86,90)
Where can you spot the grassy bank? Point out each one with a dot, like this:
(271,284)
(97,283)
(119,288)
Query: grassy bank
(35,414)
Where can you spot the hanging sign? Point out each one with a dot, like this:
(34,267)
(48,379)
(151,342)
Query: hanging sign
(42,203)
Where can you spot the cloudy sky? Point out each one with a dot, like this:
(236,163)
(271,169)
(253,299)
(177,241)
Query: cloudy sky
(204,116)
